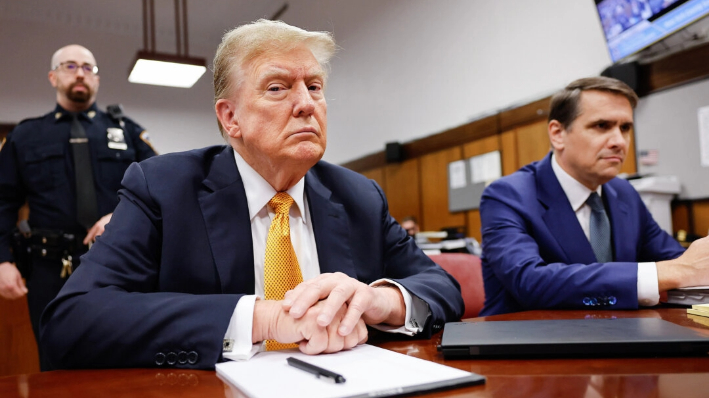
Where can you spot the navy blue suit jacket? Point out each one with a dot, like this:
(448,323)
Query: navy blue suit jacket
(178,255)
(536,256)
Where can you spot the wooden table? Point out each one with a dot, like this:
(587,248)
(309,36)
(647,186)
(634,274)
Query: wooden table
(567,378)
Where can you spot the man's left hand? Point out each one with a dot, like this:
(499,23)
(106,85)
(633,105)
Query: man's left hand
(97,229)
(374,305)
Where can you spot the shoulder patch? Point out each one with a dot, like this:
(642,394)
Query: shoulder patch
(146,139)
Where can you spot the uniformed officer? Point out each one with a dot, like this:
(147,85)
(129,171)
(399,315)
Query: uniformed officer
(68,165)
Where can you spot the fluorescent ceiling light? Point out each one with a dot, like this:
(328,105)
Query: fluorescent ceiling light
(166,70)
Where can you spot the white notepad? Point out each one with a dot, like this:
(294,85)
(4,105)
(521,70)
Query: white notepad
(370,372)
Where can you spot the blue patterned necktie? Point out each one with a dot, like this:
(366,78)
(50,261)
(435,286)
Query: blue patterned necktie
(600,230)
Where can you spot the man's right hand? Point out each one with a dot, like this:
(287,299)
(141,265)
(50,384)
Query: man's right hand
(272,322)
(689,269)
(11,284)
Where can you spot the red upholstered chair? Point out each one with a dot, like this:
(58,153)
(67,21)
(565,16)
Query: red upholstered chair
(466,269)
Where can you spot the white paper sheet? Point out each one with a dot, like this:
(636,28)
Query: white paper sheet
(456,174)
(366,368)
(486,167)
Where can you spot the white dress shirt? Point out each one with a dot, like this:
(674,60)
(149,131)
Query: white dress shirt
(258,193)
(577,193)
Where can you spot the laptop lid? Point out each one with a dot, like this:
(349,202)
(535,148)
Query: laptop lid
(571,338)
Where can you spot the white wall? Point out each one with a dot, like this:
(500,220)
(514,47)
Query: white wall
(409,69)
(406,69)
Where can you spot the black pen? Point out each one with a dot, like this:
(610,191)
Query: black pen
(316,370)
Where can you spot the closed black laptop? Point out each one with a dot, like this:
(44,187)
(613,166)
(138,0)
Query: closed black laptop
(571,338)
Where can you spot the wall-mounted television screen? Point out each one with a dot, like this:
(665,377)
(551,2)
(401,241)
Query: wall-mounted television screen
(631,25)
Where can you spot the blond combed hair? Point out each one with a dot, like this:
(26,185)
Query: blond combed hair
(244,43)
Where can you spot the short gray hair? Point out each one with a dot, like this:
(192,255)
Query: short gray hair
(564,106)
(246,42)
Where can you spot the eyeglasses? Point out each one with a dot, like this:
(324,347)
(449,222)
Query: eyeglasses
(73,67)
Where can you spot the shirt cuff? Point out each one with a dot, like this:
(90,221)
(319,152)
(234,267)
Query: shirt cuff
(237,339)
(648,286)
(417,311)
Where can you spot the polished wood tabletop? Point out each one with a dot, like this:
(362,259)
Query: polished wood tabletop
(684,377)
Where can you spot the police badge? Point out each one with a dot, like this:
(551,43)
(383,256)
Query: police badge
(116,139)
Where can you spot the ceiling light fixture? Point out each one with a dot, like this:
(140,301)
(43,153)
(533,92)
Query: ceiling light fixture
(151,67)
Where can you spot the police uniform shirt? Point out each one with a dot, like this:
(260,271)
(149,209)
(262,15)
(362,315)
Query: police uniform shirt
(36,165)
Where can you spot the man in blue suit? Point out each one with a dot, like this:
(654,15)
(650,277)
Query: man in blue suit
(180,275)
(564,232)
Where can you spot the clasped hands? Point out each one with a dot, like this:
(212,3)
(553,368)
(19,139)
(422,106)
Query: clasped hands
(327,314)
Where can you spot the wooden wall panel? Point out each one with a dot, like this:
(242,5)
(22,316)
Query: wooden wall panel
(700,211)
(18,350)
(403,189)
(629,165)
(378,176)
(474,225)
(484,145)
(508,151)
(434,191)
(532,142)
(471,149)
(680,217)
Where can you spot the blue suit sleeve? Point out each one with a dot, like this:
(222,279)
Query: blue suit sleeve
(114,312)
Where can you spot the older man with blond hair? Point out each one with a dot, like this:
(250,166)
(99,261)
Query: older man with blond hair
(221,252)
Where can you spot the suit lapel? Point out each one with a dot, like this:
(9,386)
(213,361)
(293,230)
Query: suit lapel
(620,228)
(560,218)
(226,215)
(331,228)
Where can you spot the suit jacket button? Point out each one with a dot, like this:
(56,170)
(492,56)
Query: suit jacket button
(182,358)
(192,357)
(586,301)
(171,358)
(612,300)
(159,359)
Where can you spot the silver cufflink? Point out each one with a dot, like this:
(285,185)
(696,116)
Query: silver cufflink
(228,345)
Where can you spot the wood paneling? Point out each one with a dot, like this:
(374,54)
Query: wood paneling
(630,165)
(508,151)
(526,114)
(532,142)
(681,217)
(474,225)
(434,191)
(404,189)
(471,149)
(679,68)
(368,162)
(481,146)
(472,131)
(18,349)
(700,213)
(378,176)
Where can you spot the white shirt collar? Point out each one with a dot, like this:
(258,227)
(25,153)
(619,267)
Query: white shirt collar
(576,192)
(259,191)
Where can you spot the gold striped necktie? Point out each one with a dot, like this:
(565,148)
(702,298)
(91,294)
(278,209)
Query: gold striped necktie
(281,269)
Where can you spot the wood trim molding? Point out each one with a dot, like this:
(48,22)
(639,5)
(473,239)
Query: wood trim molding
(525,114)
(680,68)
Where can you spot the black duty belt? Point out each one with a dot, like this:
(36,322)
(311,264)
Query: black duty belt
(45,245)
